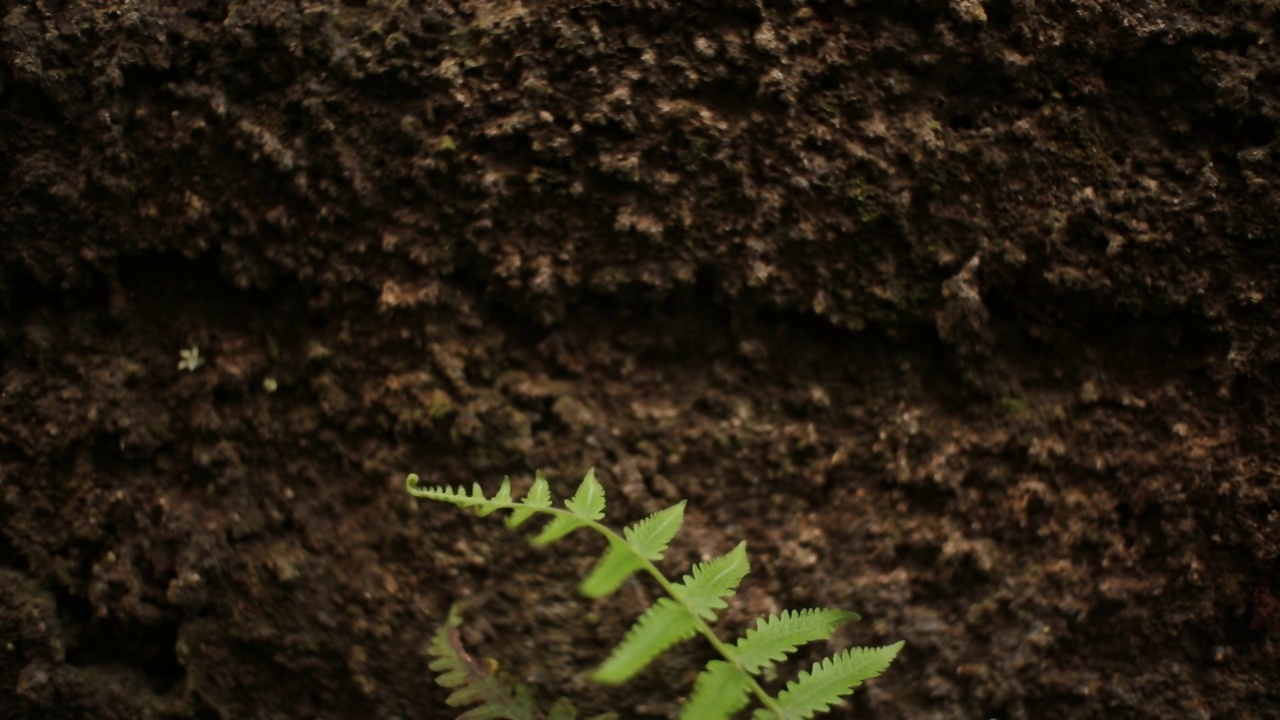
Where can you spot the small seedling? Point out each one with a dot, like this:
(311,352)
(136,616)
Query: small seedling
(189,359)
(725,687)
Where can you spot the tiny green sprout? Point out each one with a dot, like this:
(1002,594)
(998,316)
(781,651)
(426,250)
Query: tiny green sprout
(189,359)
(270,385)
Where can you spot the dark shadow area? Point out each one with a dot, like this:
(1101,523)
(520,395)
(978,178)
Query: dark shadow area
(149,649)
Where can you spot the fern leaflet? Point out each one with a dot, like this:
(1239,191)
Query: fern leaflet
(774,637)
(502,497)
(830,679)
(586,505)
(538,498)
(664,624)
(711,582)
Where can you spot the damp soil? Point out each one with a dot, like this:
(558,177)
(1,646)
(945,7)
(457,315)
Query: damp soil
(963,314)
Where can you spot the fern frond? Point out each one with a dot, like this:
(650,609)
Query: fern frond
(586,505)
(499,698)
(725,686)
(645,540)
(664,624)
(720,691)
(713,581)
(820,687)
(776,636)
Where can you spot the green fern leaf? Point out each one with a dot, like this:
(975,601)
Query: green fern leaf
(538,497)
(720,691)
(820,687)
(587,505)
(776,636)
(645,540)
(499,698)
(650,537)
(664,624)
(714,580)
(588,501)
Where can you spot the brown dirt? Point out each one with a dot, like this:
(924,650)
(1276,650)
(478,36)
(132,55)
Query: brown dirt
(963,313)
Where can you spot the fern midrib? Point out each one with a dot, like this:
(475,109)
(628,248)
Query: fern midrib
(669,587)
